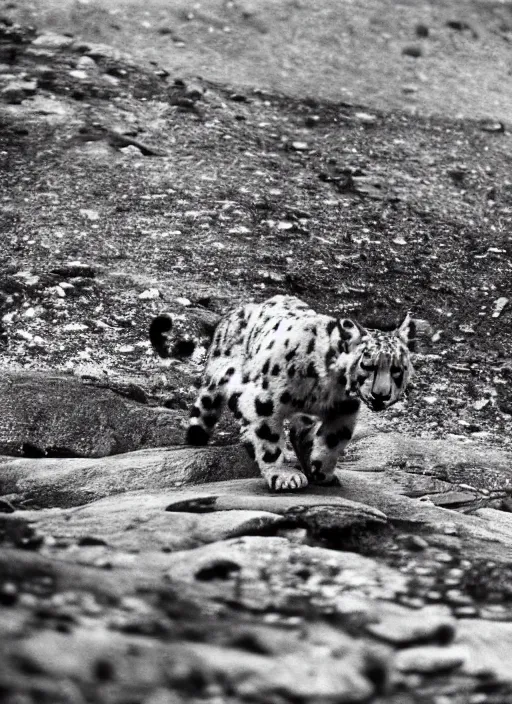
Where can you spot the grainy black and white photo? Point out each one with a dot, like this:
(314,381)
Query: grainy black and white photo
(256,352)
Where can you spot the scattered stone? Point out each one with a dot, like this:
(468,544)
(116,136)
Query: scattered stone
(422,30)
(300,146)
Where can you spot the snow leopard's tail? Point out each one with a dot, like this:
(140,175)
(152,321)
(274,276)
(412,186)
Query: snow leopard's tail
(179,336)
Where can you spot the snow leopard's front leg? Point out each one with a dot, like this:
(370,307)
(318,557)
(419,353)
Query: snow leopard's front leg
(330,436)
(264,440)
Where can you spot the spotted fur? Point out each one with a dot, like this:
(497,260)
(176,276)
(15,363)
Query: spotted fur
(281,360)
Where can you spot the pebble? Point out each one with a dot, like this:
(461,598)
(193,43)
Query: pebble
(300,146)
(430,659)
(422,30)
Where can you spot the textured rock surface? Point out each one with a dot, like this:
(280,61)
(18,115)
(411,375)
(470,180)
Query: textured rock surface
(41,415)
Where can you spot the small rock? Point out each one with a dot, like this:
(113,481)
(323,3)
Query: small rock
(86,63)
(409,89)
(75,327)
(461,26)
(450,498)
(149,294)
(16,91)
(91,540)
(430,659)
(412,50)
(415,542)
(312,120)
(131,150)
(366,118)
(6,506)
(238,98)
(490,125)
(499,305)
(481,403)
(8,594)
(458,598)
(89,214)
(300,146)
(78,73)
(401,626)
(422,30)
(52,41)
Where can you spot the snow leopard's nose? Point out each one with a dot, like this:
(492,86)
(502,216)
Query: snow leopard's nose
(379,401)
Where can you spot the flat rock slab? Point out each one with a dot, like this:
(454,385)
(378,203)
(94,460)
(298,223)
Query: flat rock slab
(59,415)
(138,522)
(50,482)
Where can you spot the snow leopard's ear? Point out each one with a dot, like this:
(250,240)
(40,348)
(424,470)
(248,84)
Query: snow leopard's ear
(352,333)
(411,331)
